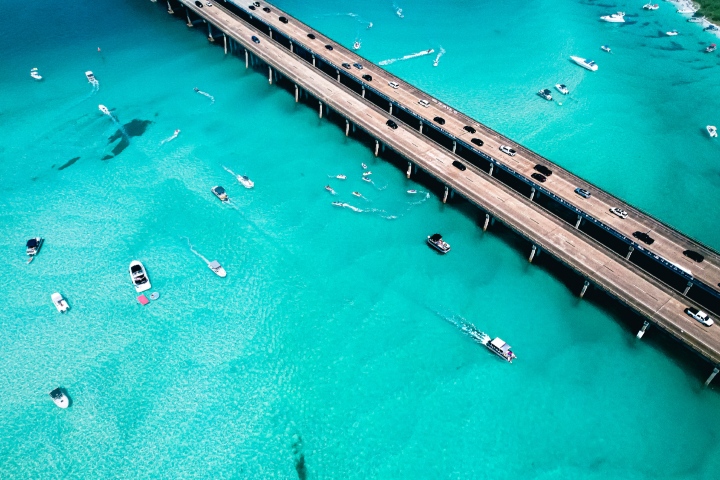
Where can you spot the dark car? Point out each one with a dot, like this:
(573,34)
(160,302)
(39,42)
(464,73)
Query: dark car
(644,237)
(329,47)
(469,129)
(582,192)
(266,10)
(255,39)
(477,142)
(251,7)
(283,19)
(391,124)
(439,120)
(543,169)
(346,65)
(198,4)
(459,166)
(358,66)
(256,4)
(367,77)
(693,255)
(540,178)
(311,36)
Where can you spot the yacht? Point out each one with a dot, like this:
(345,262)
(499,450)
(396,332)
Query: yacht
(246,182)
(671,33)
(367,179)
(712,130)
(364,166)
(139,276)
(220,193)
(435,241)
(91,78)
(561,88)
(337,204)
(605,48)
(340,177)
(59,302)
(589,64)
(687,10)
(412,191)
(60,399)
(357,194)
(356,45)
(365,174)
(651,6)
(618,17)
(33,247)
(329,189)
(501,349)
(35,74)
(217,268)
(711,48)
(104,109)
(546,94)
(696,19)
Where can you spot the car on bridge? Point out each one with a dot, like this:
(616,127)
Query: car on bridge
(469,129)
(644,237)
(346,66)
(283,19)
(439,120)
(367,77)
(507,150)
(700,316)
(619,212)
(543,169)
(394,85)
(198,4)
(539,177)
(329,47)
(255,39)
(693,255)
(391,124)
(459,166)
(582,192)
(477,142)
(358,66)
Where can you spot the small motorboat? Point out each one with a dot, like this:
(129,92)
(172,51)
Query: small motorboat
(711,48)
(176,132)
(357,194)
(412,191)
(33,247)
(364,166)
(35,74)
(91,77)
(220,193)
(687,10)
(104,109)
(337,204)
(139,277)
(329,189)
(217,268)
(562,88)
(340,177)
(245,181)
(59,398)
(365,174)
(712,131)
(367,179)
(589,64)
(651,6)
(436,62)
(671,33)
(501,349)
(605,48)
(435,241)
(546,94)
(696,19)
(618,17)
(59,302)
(711,28)
(356,45)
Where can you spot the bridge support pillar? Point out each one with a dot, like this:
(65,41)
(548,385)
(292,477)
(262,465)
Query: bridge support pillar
(421,126)
(313,57)
(363,92)
(187,15)
(320,111)
(270,33)
(409,170)
(247,59)
(447,191)
(532,193)
(630,250)
(454,146)
(377,147)
(347,127)
(584,289)
(645,326)
(170,10)
(687,288)
(492,166)
(210,36)
(292,50)
(487,222)
(577,224)
(297,93)
(390,108)
(715,371)
(533,252)
(337,72)
(225,42)
(270,74)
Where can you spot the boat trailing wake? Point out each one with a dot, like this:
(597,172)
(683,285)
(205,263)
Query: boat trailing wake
(195,251)
(381,213)
(406,57)
(437,59)
(212,99)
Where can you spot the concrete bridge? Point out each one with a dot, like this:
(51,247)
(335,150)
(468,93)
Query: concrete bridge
(656,280)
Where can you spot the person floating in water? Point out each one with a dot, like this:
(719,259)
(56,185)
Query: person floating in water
(205,93)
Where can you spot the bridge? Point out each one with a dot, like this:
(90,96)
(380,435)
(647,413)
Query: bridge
(658,280)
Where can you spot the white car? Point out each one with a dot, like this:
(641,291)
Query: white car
(700,316)
(394,84)
(508,150)
(424,103)
(619,212)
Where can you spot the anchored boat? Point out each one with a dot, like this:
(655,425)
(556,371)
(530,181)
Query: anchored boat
(618,17)
(589,64)
(33,247)
(60,399)
(562,88)
(435,241)
(139,277)
(712,130)
(35,74)
(59,302)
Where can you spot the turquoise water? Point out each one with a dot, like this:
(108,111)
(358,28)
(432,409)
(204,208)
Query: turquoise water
(333,348)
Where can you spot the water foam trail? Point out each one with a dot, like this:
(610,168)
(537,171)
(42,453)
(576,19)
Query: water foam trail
(195,251)
(440,54)
(398,10)
(466,327)
(118,125)
(406,57)
(230,171)
(212,99)
(169,139)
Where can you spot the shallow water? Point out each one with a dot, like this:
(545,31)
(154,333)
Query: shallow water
(334,348)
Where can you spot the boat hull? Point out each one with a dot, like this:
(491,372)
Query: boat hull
(139,287)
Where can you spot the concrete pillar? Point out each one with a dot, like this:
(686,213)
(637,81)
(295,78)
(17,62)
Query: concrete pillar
(347,127)
(337,72)
(640,334)
(320,111)
(225,42)
(247,59)
(532,253)
(210,37)
(187,15)
(532,193)
(447,190)
(409,170)
(297,93)
(377,147)
(630,250)
(712,375)
(270,74)
(421,126)
(313,60)
(487,221)
(390,108)
(492,166)
(170,10)
(291,48)
(454,146)
(270,33)
(687,289)
(577,224)
(363,92)
(584,289)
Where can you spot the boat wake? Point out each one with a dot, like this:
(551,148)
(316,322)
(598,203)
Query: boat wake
(406,57)
(171,138)
(398,11)
(437,59)
(466,327)
(212,99)
(119,126)
(379,212)
(195,251)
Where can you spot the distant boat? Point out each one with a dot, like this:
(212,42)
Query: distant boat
(356,45)
(712,131)
(687,10)
(340,177)
(501,349)
(365,174)
(605,48)
(367,179)
(217,268)
(91,78)
(34,74)
(671,33)
(139,277)
(337,204)
(245,181)
(589,64)
(711,28)
(546,94)
(329,189)
(60,399)
(33,247)
(220,193)
(357,194)
(104,109)
(412,191)
(59,302)
(711,48)
(618,17)
(696,19)
(562,88)
(363,166)
(436,241)
(651,6)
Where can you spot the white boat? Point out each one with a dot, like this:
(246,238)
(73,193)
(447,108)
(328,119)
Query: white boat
(696,19)
(104,109)
(356,45)
(365,174)
(412,191)
(618,17)
(357,194)
(671,33)
(91,78)
(562,88)
(59,398)
(651,6)
(501,349)
(33,247)
(217,268)
(340,177)
(337,204)
(367,179)
(35,74)
(139,277)
(220,193)
(329,189)
(712,131)
(436,241)
(364,166)
(546,94)
(687,10)
(589,64)
(605,48)
(711,48)
(245,181)
(59,302)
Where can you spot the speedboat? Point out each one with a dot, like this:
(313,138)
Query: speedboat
(364,166)
(34,74)
(711,48)
(33,247)
(589,64)
(711,28)
(177,132)
(412,191)
(365,174)
(217,268)
(367,179)
(546,94)
(104,109)
(59,302)
(139,276)
(501,349)
(337,204)
(357,194)
(712,131)
(605,48)
(562,88)
(356,45)
(436,62)
(671,33)
(220,193)
(91,78)
(618,17)
(651,6)
(340,177)
(435,241)
(246,182)
(329,189)
(60,399)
